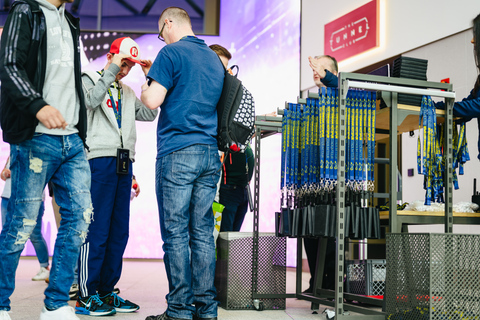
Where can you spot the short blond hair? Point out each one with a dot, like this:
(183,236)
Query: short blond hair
(176,14)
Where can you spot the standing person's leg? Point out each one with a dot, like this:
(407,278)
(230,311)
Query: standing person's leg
(116,244)
(174,177)
(117,235)
(30,168)
(241,210)
(71,186)
(229,197)
(311,249)
(40,245)
(201,235)
(92,253)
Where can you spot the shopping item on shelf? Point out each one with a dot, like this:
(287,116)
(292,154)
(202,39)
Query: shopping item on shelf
(309,166)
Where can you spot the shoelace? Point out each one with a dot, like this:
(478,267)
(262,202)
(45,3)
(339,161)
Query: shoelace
(95,299)
(116,299)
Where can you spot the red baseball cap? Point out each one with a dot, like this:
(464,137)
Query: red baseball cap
(126,45)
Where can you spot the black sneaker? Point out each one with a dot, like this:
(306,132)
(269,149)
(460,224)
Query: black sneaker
(93,306)
(120,305)
(74,292)
(163,316)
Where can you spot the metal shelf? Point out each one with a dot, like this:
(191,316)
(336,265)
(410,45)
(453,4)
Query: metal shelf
(266,126)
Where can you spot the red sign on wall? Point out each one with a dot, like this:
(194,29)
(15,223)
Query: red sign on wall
(353,33)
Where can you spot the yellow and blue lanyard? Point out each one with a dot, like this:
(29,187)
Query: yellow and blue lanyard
(284,169)
(335,130)
(322,138)
(117,107)
(371,136)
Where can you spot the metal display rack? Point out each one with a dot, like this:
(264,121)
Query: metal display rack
(390,87)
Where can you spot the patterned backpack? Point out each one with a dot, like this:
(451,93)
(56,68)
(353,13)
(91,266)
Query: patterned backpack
(236,115)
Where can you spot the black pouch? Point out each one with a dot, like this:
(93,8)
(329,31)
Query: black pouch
(123,157)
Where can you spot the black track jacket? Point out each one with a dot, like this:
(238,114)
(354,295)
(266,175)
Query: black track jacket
(23,52)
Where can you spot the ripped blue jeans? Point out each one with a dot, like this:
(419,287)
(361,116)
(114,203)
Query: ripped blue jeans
(62,160)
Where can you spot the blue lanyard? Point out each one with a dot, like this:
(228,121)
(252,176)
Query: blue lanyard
(322,134)
(335,130)
(117,108)
(284,149)
(371,142)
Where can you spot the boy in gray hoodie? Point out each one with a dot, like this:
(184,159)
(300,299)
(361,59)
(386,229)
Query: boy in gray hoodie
(112,108)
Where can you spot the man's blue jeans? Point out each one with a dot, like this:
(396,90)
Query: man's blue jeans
(186,182)
(36,238)
(62,160)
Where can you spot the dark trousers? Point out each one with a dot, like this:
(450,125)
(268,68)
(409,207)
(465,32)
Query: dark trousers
(311,249)
(100,261)
(235,200)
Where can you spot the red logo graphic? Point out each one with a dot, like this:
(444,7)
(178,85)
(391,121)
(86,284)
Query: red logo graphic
(134,52)
(353,33)
(109,104)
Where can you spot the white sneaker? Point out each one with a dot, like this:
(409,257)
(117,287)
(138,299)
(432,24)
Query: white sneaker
(43,274)
(4,315)
(63,313)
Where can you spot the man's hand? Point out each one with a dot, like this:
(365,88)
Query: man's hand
(118,58)
(146,68)
(51,118)
(317,67)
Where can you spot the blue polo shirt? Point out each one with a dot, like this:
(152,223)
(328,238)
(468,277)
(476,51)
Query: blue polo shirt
(193,76)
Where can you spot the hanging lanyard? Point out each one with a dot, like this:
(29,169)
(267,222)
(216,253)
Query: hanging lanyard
(316,145)
(351,163)
(372,110)
(284,150)
(322,134)
(310,109)
(335,128)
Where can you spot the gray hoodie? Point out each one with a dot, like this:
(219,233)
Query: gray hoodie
(103,134)
(59,88)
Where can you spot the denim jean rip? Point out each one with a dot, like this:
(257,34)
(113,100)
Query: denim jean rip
(88,214)
(36,165)
(22,237)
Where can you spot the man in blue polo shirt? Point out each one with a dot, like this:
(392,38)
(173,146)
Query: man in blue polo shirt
(186,81)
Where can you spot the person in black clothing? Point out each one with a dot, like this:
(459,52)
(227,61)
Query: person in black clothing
(234,194)
(236,175)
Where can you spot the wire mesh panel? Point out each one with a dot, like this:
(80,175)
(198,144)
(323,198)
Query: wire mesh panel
(433,276)
(233,276)
(366,277)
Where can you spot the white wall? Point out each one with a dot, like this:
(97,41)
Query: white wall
(404,25)
(452,58)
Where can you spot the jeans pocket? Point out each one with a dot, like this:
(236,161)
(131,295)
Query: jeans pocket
(186,165)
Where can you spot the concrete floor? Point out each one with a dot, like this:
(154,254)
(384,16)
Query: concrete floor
(145,283)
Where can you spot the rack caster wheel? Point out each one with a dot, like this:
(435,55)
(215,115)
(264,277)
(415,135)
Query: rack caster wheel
(259,306)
